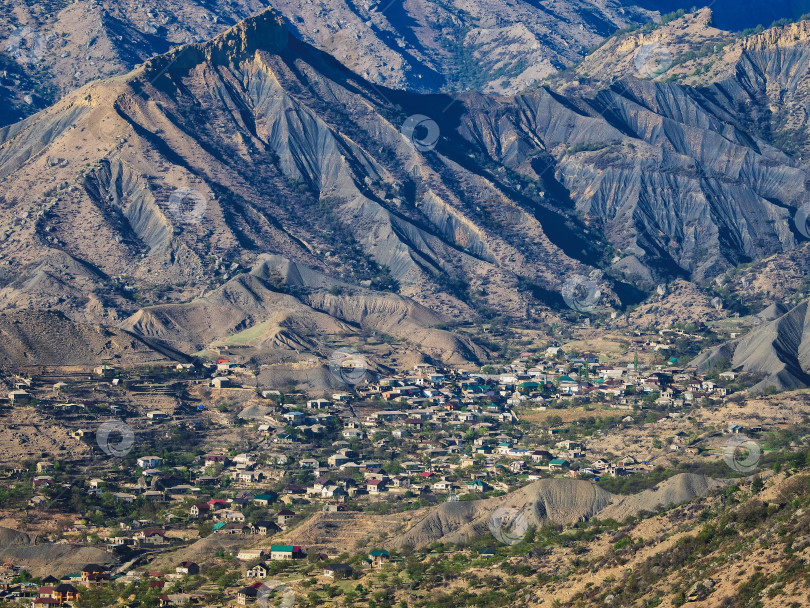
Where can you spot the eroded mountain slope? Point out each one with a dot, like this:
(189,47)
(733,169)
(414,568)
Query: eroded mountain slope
(779,350)
(547,502)
(173,179)
(422,45)
(158,188)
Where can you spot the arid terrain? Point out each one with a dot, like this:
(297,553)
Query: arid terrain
(426,304)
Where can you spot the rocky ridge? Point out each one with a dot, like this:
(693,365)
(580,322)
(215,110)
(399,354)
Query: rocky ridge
(159,192)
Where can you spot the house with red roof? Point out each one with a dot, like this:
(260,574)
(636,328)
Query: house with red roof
(375,486)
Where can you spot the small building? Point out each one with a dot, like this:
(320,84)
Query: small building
(285,552)
(338,571)
(249,555)
(260,570)
(20,397)
(265,527)
(65,592)
(187,568)
(478,485)
(336,460)
(284,516)
(294,417)
(91,572)
(220,382)
(401,481)
(43,466)
(248,595)
(215,459)
(378,557)
(152,536)
(265,498)
(149,462)
(350,434)
(104,371)
(375,486)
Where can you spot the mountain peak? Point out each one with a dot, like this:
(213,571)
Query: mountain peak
(264,31)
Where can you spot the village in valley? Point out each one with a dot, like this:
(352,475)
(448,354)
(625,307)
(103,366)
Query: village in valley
(194,482)
(418,304)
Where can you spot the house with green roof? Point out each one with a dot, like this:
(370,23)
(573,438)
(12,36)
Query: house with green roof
(378,557)
(477,485)
(285,552)
(264,499)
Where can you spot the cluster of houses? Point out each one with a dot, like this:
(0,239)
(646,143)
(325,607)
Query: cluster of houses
(377,558)
(419,414)
(452,432)
(67,590)
(423,415)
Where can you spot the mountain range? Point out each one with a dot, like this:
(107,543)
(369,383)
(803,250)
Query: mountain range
(185,191)
(50,49)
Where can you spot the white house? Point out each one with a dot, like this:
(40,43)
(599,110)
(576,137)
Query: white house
(249,555)
(149,462)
